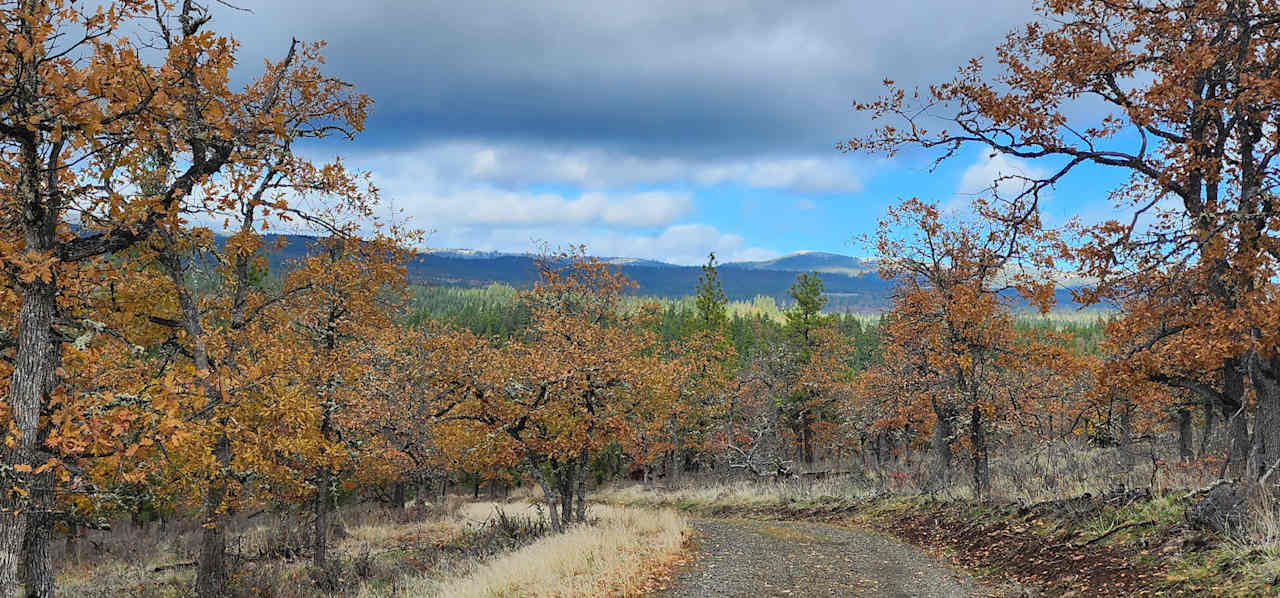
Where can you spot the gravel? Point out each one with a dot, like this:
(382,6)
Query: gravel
(734,558)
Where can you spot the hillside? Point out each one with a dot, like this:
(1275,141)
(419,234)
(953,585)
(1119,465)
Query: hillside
(811,261)
(852,284)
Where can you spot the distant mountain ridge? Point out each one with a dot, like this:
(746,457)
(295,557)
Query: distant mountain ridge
(810,261)
(800,261)
(852,284)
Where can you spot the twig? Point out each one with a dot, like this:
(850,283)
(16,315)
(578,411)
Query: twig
(1116,529)
(1267,476)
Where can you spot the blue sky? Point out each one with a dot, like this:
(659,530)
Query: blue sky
(658,130)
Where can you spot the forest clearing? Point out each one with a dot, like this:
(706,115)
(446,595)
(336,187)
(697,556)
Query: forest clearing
(221,377)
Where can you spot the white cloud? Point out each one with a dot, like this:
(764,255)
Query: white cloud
(804,204)
(515,165)
(1000,173)
(505,197)
(486,206)
(686,244)
(481,215)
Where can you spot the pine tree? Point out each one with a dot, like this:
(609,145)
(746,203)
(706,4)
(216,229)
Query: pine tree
(806,314)
(711,301)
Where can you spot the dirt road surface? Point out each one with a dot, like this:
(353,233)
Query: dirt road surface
(736,558)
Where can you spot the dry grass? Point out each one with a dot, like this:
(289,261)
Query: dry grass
(735,495)
(1246,564)
(617,553)
(1062,469)
(1026,475)
(269,553)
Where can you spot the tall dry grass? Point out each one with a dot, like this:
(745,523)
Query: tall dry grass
(269,551)
(1039,473)
(617,553)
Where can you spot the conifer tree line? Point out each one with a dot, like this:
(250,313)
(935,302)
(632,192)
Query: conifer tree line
(149,367)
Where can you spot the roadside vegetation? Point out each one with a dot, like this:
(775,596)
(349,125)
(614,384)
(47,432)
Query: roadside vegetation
(455,547)
(622,552)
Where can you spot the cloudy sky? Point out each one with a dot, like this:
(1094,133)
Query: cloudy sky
(661,129)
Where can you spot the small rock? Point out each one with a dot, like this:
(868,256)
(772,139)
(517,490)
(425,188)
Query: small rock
(1222,509)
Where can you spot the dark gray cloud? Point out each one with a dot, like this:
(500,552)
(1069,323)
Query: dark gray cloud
(672,78)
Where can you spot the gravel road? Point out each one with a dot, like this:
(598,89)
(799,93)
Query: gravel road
(743,558)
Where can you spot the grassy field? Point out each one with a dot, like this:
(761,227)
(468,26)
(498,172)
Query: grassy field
(623,553)
(459,548)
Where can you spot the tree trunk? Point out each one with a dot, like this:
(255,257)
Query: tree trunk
(1238,443)
(1238,420)
(422,492)
(32,377)
(981,470)
(548,492)
(940,472)
(1266,424)
(36,566)
(397,495)
(1206,432)
(806,438)
(584,469)
(1184,434)
(320,544)
(677,442)
(1125,435)
(728,425)
(564,487)
(211,566)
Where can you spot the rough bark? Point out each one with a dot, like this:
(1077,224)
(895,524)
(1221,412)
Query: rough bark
(677,441)
(1266,425)
(548,492)
(29,381)
(806,438)
(940,470)
(1125,434)
(397,495)
(1238,420)
(978,440)
(320,545)
(1183,420)
(211,566)
(1206,430)
(1238,444)
(564,480)
(38,578)
(584,469)
(211,570)
(37,569)
(28,386)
